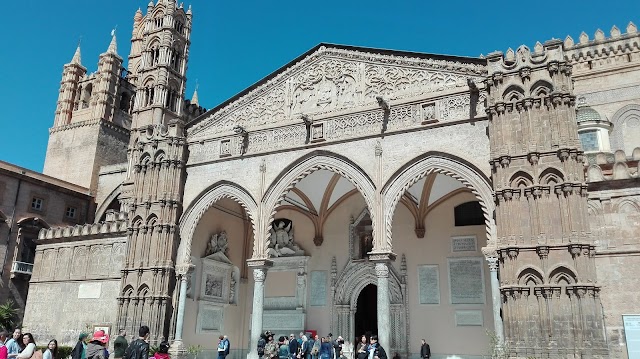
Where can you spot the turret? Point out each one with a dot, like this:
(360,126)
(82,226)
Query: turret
(107,83)
(72,73)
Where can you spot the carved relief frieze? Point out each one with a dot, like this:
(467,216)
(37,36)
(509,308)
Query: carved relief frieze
(333,79)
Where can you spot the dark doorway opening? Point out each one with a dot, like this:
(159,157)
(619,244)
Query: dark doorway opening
(366,318)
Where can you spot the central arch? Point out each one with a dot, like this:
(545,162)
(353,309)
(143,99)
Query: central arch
(298,170)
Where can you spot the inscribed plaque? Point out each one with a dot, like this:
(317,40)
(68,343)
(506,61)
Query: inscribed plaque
(429,282)
(632,334)
(466,318)
(318,290)
(89,290)
(210,318)
(466,281)
(464,244)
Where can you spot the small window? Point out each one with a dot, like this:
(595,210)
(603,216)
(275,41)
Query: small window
(70,212)
(469,214)
(36,203)
(589,140)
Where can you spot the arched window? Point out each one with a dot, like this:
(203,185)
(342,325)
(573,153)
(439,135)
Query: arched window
(468,214)
(125,100)
(76,101)
(86,95)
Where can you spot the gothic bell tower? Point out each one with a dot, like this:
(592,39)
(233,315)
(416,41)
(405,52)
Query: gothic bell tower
(550,295)
(157,156)
(92,120)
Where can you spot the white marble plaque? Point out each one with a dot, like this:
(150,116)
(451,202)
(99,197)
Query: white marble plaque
(466,280)
(210,318)
(464,244)
(632,334)
(89,290)
(466,318)
(429,282)
(318,289)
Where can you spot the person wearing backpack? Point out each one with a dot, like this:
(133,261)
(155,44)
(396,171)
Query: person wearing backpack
(139,348)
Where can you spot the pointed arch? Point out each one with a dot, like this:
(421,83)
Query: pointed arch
(561,274)
(541,88)
(298,170)
(530,275)
(106,203)
(469,175)
(551,176)
(202,203)
(521,179)
(513,93)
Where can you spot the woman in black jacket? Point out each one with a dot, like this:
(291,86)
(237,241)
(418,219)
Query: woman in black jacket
(425,350)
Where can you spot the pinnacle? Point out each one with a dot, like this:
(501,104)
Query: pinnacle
(76,60)
(113,46)
(194,98)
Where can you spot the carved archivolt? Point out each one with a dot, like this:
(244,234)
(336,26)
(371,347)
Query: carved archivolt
(416,169)
(358,275)
(193,215)
(299,170)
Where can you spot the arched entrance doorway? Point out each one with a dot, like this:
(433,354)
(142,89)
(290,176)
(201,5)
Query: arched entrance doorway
(366,317)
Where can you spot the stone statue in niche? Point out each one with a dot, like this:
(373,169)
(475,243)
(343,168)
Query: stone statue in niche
(366,245)
(217,247)
(281,242)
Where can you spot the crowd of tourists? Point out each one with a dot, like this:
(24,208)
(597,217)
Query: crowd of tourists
(304,347)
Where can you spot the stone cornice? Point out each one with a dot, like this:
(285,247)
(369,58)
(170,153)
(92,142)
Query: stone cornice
(107,124)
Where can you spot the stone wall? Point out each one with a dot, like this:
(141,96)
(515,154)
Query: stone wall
(74,287)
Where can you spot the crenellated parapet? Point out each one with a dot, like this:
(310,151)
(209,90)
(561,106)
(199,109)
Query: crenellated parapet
(114,225)
(608,166)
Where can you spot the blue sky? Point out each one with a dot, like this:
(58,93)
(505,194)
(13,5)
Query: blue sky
(236,43)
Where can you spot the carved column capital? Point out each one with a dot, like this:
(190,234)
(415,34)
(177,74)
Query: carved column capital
(382,271)
(259,274)
(183,269)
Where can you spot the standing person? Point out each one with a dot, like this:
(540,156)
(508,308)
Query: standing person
(326,349)
(221,349)
(52,350)
(3,348)
(270,348)
(163,351)
(80,350)
(14,345)
(120,344)
(283,351)
(139,348)
(315,349)
(96,346)
(425,350)
(376,351)
(361,349)
(294,346)
(262,342)
(305,348)
(227,345)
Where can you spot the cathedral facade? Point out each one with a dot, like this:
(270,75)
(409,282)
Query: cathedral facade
(353,191)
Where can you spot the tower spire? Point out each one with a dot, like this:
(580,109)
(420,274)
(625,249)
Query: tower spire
(76,60)
(194,98)
(113,46)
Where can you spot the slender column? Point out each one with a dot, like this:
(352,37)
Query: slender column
(259,275)
(177,349)
(384,318)
(181,302)
(495,296)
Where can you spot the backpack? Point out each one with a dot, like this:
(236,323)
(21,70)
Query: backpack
(261,344)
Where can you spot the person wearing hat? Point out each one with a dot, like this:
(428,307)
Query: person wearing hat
(96,346)
(80,350)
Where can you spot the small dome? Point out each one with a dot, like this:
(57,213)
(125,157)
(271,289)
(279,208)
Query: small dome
(585,113)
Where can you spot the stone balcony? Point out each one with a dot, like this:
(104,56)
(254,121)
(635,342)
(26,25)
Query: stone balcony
(22,268)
